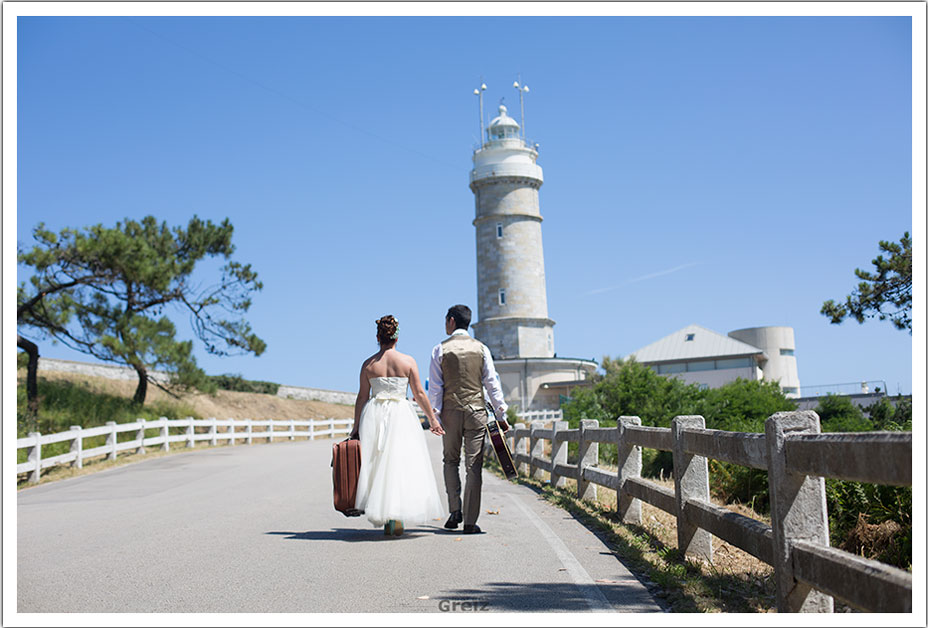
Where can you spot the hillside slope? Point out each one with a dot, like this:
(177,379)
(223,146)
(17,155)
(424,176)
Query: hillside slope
(224,404)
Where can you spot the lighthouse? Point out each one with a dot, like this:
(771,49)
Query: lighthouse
(512,302)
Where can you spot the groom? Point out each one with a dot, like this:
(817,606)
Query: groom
(461,367)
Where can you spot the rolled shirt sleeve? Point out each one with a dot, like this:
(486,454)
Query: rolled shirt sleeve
(436,382)
(492,384)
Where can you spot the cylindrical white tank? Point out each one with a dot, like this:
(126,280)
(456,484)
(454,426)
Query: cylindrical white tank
(779,345)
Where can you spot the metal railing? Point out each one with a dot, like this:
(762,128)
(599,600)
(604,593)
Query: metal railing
(873,386)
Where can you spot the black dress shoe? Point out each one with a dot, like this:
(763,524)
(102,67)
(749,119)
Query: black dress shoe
(471,528)
(456,517)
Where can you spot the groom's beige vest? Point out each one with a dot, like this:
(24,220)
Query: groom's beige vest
(462,373)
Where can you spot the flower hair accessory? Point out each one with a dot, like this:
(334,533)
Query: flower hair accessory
(396,334)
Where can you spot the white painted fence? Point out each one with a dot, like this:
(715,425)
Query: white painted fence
(243,430)
(797,458)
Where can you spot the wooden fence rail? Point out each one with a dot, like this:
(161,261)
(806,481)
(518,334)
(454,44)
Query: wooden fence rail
(797,457)
(243,430)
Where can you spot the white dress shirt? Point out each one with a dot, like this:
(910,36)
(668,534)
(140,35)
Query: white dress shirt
(489,376)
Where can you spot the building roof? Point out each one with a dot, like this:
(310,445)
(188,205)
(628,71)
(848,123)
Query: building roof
(705,343)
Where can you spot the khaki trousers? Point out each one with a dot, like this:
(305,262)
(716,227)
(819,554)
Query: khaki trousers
(467,428)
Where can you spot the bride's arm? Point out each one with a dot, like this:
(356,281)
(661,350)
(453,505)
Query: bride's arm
(364,393)
(418,392)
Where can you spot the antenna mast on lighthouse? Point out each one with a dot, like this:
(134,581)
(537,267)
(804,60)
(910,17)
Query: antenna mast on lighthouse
(523,89)
(479,94)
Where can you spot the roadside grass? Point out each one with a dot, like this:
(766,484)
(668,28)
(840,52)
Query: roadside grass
(65,403)
(735,582)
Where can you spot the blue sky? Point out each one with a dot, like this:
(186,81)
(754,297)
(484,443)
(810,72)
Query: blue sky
(729,172)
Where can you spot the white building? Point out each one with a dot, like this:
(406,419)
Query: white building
(512,303)
(701,356)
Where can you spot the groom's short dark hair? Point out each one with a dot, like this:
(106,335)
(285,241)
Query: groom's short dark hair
(461,316)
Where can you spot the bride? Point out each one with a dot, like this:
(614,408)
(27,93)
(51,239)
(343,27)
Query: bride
(396,484)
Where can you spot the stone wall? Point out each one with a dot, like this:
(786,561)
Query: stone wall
(110,371)
(316,394)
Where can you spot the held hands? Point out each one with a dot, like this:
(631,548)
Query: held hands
(435,427)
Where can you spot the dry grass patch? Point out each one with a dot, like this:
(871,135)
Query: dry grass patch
(223,404)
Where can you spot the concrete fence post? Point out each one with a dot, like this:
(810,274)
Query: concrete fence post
(690,482)
(332,427)
(629,463)
(248,431)
(312,429)
(537,446)
(521,447)
(140,436)
(35,457)
(588,457)
(190,441)
(231,431)
(111,441)
(212,432)
(797,511)
(165,434)
(77,447)
(292,432)
(558,453)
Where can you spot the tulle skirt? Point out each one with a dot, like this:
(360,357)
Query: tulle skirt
(396,480)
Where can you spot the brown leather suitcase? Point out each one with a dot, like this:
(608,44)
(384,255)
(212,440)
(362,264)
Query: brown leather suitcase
(346,465)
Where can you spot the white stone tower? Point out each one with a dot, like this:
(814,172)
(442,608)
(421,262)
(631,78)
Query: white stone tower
(512,302)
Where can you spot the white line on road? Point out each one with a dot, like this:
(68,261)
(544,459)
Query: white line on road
(594,597)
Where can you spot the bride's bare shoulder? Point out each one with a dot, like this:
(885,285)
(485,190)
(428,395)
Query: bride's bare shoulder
(366,365)
(405,361)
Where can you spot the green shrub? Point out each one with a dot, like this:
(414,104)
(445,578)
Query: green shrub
(629,388)
(851,504)
(839,414)
(237,383)
(742,405)
(63,404)
(885,415)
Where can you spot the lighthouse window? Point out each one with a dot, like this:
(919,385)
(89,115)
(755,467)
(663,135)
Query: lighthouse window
(502,297)
(787,352)
(499,230)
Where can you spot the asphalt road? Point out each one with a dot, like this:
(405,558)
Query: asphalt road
(252,529)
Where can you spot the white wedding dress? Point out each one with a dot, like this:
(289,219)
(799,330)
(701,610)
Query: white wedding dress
(396,480)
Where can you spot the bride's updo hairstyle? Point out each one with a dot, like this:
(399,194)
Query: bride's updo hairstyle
(387,329)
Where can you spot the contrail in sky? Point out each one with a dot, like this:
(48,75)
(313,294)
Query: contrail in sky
(645,277)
